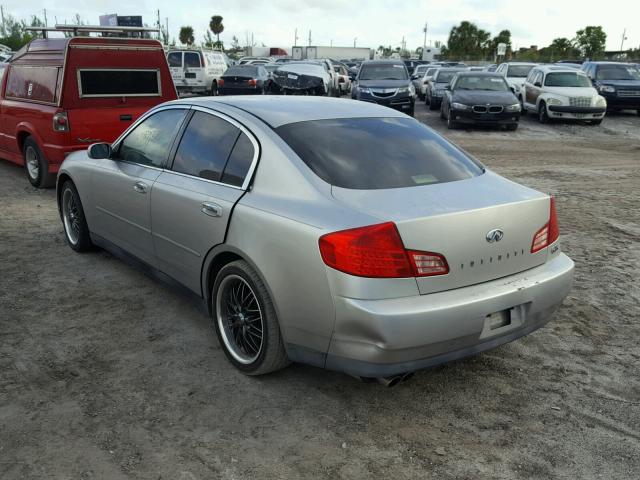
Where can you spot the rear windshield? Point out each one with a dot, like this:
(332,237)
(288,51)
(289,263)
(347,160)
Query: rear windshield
(242,71)
(119,83)
(519,71)
(383,72)
(377,153)
(445,76)
(567,79)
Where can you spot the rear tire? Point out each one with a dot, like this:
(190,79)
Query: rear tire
(245,320)
(36,166)
(76,230)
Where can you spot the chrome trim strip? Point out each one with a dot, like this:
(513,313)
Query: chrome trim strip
(186,175)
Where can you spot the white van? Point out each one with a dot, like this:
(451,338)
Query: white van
(196,71)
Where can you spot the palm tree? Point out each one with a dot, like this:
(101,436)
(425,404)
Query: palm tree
(216,26)
(186,35)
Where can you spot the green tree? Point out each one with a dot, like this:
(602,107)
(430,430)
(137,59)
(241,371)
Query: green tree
(186,35)
(591,41)
(216,26)
(468,42)
(562,48)
(208,40)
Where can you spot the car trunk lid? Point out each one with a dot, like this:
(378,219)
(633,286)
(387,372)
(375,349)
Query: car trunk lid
(455,219)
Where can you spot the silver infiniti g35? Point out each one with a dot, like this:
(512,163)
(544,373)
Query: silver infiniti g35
(335,233)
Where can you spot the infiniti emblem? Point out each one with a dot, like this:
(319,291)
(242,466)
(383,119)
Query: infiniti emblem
(494,235)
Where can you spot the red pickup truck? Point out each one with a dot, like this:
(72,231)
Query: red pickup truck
(59,95)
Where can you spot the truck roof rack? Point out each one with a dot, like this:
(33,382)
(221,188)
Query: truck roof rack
(75,29)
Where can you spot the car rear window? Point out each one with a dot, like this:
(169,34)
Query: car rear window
(519,71)
(377,153)
(241,72)
(118,83)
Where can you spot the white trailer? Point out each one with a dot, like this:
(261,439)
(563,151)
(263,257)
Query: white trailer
(336,53)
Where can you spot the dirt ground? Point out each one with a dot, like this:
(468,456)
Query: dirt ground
(106,374)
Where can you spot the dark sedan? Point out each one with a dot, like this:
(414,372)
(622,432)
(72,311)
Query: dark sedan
(385,82)
(480,98)
(618,83)
(244,79)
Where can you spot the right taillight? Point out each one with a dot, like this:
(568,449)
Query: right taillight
(252,82)
(549,233)
(61,122)
(377,251)
(220,82)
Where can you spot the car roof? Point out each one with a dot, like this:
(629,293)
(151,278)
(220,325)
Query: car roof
(479,73)
(521,63)
(383,62)
(281,110)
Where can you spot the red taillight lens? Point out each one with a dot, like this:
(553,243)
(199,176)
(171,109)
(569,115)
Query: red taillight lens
(252,83)
(377,251)
(549,233)
(220,82)
(61,122)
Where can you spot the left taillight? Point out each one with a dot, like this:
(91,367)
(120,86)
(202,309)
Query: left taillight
(377,251)
(252,82)
(60,122)
(549,233)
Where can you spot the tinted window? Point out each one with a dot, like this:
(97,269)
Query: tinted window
(205,146)
(175,59)
(116,83)
(30,83)
(192,60)
(618,72)
(567,79)
(519,71)
(241,72)
(239,162)
(373,153)
(149,142)
(383,72)
(445,76)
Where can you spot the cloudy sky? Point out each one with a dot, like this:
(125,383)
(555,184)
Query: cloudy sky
(372,22)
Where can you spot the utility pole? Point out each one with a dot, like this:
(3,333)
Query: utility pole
(424,44)
(295,38)
(159,28)
(4,32)
(309,37)
(45,17)
(331,42)
(624,33)
(354,42)
(166,19)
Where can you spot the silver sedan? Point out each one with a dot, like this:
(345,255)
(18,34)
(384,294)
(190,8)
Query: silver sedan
(335,233)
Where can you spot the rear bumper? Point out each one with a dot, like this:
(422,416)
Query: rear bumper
(239,91)
(375,338)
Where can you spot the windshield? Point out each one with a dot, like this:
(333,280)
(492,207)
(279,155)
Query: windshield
(383,72)
(567,79)
(377,153)
(519,71)
(618,72)
(420,69)
(430,72)
(445,76)
(494,84)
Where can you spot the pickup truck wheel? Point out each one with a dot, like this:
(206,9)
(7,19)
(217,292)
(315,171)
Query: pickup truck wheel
(76,230)
(543,116)
(36,166)
(245,320)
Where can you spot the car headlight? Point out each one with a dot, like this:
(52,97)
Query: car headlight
(607,89)
(460,106)
(412,90)
(513,108)
(438,93)
(364,90)
(601,102)
(554,101)
(403,90)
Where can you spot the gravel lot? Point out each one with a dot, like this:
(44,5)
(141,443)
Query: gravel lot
(106,374)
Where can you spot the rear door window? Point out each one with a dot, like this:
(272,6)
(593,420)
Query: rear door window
(192,60)
(119,83)
(239,162)
(175,59)
(205,146)
(149,142)
(377,153)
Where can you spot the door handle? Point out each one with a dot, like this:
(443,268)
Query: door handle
(140,187)
(211,209)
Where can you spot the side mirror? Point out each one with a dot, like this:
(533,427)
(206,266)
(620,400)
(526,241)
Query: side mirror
(447,87)
(513,89)
(537,84)
(415,77)
(99,151)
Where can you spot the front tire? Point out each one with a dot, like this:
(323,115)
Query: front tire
(451,123)
(245,321)
(36,166)
(76,230)
(543,116)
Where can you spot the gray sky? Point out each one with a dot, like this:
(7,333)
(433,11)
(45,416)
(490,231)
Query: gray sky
(373,22)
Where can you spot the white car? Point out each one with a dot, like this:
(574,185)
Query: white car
(428,75)
(196,70)
(515,73)
(555,92)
